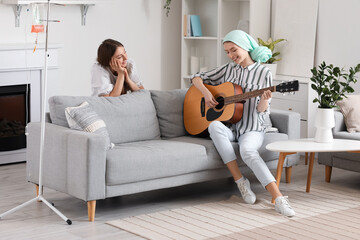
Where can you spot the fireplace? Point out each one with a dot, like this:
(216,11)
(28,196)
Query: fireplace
(14,115)
(21,72)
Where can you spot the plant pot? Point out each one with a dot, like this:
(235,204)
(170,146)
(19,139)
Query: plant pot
(272,67)
(324,122)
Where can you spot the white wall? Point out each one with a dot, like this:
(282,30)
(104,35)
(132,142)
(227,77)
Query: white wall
(171,47)
(338,34)
(140,25)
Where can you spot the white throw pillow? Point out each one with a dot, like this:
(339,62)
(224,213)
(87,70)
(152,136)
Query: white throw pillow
(351,112)
(84,118)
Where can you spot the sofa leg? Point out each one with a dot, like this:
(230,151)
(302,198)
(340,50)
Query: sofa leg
(91,210)
(328,170)
(288,174)
(37,191)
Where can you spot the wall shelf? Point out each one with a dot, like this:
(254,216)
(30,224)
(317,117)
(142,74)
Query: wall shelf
(201,38)
(18,4)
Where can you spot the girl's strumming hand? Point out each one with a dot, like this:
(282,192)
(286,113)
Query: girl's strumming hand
(210,100)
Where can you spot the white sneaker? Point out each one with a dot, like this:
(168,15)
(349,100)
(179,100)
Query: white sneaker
(282,206)
(246,193)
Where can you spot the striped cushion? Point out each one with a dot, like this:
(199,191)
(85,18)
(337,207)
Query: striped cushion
(84,118)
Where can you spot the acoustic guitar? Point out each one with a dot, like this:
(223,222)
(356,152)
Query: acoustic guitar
(198,116)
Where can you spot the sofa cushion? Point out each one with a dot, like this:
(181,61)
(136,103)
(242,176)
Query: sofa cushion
(213,155)
(347,135)
(130,117)
(146,160)
(351,111)
(169,108)
(84,118)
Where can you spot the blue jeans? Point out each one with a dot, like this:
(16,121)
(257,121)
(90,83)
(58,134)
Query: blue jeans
(249,144)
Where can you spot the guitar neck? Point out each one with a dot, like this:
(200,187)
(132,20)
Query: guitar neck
(243,96)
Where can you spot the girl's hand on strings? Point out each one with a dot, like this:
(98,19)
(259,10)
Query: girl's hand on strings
(266,95)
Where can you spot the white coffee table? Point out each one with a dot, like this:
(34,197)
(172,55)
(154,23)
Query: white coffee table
(308,145)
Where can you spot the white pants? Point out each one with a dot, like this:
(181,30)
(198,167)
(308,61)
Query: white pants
(249,144)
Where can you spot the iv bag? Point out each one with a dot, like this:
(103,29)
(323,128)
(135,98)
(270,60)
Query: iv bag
(38,11)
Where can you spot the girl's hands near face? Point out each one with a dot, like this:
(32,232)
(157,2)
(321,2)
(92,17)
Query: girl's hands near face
(266,95)
(115,65)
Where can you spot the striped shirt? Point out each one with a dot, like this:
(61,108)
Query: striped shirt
(250,78)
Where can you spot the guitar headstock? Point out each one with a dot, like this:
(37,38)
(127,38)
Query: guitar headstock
(290,86)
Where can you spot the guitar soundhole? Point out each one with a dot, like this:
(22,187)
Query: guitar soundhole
(220,100)
(214,113)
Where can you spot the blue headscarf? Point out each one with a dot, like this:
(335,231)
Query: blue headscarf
(246,42)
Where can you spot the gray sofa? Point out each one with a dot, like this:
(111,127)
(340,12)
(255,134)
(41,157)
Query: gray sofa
(343,160)
(152,149)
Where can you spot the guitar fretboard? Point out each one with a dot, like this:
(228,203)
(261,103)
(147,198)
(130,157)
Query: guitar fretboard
(247,95)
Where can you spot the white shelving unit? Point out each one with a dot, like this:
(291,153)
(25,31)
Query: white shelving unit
(18,4)
(218,17)
(297,57)
(300,102)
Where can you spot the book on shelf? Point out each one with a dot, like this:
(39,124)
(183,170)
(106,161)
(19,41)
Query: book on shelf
(185,25)
(189,33)
(192,26)
(195,25)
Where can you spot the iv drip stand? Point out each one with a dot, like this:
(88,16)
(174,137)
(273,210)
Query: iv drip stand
(42,136)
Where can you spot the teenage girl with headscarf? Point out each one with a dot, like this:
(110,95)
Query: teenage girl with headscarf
(244,70)
(113,74)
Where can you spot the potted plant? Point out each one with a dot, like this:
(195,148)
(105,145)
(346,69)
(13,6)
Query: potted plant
(167,7)
(331,84)
(270,44)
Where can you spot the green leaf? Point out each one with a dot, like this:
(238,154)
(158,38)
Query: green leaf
(276,54)
(261,42)
(277,41)
(313,71)
(313,86)
(326,91)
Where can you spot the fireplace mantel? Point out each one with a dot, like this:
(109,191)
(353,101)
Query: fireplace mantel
(19,65)
(20,57)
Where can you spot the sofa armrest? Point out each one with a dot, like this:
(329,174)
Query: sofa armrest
(74,161)
(339,122)
(287,122)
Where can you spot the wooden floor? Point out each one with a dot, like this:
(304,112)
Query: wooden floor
(37,221)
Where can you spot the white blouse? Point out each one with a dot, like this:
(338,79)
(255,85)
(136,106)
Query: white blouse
(103,80)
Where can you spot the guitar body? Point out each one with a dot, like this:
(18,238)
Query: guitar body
(198,116)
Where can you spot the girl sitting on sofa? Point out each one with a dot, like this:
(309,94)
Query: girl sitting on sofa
(246,71)
(113,74)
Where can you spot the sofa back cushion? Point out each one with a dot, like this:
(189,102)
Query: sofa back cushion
(129,117)
(169,108)
(351,111)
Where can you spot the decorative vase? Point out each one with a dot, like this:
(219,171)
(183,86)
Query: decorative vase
(324,122)
(272,67)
